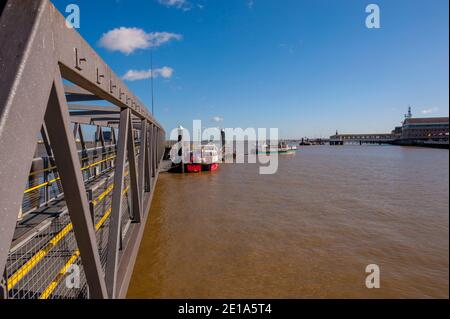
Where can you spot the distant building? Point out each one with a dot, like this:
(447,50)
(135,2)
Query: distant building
(397,132)
(430,131)
(430,128)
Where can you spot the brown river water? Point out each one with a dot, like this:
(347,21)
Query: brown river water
(309,231)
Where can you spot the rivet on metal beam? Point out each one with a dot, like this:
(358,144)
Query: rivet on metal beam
(121,93)
(99,77)
(78,60)
(111,86)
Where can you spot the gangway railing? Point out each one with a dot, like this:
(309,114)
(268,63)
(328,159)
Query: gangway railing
(68,199)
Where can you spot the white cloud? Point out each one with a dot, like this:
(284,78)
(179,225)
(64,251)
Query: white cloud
(127,40)
(217,119)
(179,4)
(136,75)
(250,4)
(430,110)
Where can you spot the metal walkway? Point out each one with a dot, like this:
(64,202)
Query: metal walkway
(76,179)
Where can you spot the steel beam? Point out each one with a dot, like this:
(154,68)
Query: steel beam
(76,90)
(51,159)
(152,147)
(22,103)
(75,130)
(46,141)
(108,109)
(69,169)
(105,117)
(113,136)
(77,94)
(81,65)
(133,169)
(115,219)
(103,113)
(148,163)
(143,172)
(81,136)
(155,150)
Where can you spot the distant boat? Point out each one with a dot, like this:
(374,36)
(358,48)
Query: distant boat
(282,148)
(305,142)
(205,158)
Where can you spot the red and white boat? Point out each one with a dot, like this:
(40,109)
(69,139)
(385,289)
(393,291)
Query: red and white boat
(205,158)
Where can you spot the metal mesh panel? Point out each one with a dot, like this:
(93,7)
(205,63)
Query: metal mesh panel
(126,209)
(63,292)
(33,265)
(41,262)
(44,185)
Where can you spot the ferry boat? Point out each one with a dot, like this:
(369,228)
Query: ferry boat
(205,158)
(282,148)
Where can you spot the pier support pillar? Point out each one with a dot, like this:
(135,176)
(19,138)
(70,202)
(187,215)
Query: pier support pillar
(180,151)
(222,137)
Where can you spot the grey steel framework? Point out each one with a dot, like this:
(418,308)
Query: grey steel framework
(66,199)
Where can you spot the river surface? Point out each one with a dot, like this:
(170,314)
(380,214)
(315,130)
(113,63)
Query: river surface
(309,231)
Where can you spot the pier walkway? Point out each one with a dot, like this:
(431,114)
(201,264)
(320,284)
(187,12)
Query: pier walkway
(79,162)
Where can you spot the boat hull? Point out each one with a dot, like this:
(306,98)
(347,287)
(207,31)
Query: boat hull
(197,168)
(211,167)
(193,168)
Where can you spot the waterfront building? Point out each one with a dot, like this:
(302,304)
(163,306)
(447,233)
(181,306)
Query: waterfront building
(431,128)
(397,132)
(429,131)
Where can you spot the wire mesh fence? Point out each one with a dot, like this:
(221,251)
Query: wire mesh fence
(41,263)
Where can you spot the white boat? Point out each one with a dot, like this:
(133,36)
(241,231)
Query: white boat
(204,158)
(282,148)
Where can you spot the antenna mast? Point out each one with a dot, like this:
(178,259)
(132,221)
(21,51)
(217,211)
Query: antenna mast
(151,79)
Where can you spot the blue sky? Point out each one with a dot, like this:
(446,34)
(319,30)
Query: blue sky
(306,67)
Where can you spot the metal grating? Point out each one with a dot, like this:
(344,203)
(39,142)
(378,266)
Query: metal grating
(38,265)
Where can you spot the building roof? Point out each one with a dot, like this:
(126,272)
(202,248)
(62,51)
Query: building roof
(426,120)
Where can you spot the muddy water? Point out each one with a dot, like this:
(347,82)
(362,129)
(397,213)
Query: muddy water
(308,231)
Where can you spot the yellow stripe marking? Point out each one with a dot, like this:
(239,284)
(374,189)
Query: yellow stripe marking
(41,185)
(54,167)
(52,286)
(19,274)
(97,163)
(57,179)
(105,193)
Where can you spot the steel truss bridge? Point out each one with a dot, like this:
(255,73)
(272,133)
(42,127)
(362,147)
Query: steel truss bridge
(66,199)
